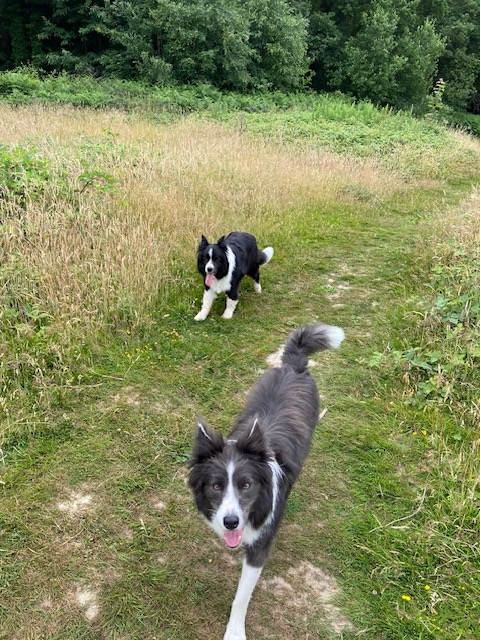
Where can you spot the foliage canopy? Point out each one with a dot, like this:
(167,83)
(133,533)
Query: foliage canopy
(387,51)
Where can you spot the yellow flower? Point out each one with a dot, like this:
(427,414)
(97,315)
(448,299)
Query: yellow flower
(427,587)
(406,597)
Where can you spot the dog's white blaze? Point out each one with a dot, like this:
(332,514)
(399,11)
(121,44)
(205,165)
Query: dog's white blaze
(230,504)
(209,266)
(248,581)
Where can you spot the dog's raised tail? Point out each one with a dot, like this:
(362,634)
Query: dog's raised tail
(265,255)
(308,340)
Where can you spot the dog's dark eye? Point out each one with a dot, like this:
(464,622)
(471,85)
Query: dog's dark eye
(216,486)
(246,485)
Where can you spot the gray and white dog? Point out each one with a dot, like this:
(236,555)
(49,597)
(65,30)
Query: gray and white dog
(240,484)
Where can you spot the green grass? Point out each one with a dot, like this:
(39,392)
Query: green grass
(98,534)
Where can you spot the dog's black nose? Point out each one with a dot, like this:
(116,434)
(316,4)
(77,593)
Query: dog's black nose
(209,269)
(231,521)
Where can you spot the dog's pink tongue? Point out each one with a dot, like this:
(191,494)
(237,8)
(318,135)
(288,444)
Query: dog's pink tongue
(233,538)
(209,279)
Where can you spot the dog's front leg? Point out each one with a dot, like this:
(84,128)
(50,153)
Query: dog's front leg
(207,301)
(248,581)
(229,307)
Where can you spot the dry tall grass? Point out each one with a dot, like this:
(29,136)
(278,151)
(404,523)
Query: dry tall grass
(84,255)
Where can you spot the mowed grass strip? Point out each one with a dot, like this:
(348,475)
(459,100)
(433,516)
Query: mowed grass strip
(106,371)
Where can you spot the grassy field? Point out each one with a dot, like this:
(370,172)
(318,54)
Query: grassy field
(374,220)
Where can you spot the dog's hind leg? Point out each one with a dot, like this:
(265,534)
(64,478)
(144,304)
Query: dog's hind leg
(256,277)
(247,582)
(254,274)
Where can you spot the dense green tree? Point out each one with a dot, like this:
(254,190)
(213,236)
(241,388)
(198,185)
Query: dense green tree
(388,51)
(205,40)
(279,39)
(232,44)
(70,37)
(457,22)
(382,50)
(392,59)
(21,21)
(372,58)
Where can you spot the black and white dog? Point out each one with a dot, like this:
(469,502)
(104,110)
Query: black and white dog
(224,264)
(241,483)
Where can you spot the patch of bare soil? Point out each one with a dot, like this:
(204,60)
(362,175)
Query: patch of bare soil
(85,597)
(76,504)
(303,594)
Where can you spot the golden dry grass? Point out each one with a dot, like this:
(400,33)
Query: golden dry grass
(83,252)
(462,225)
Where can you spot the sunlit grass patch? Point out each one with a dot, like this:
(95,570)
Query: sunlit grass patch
(104,373)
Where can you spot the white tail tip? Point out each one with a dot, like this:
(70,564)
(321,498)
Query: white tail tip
(269,252)
(335,336)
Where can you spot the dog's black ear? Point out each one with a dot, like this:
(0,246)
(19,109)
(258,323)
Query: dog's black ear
(221,241)
(204,242)
(253,441)
(207,442)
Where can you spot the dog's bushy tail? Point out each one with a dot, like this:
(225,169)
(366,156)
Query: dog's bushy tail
(265,255)
(308,340)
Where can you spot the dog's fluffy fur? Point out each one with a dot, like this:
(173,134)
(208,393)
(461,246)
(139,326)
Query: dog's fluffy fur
(240,484)
(224,264)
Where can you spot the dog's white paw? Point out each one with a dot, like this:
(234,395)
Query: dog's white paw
(200,316)
(228,313)
(233,633)
(257,288)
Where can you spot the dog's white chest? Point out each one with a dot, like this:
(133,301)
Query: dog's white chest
(221,285)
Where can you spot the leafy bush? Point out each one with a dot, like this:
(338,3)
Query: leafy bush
(465,121)
(22,171)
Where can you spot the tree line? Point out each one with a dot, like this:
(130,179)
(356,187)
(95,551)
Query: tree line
(387,51)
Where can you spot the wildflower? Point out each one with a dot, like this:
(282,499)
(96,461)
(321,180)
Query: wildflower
(424,432)
(427,587)
(406,597)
